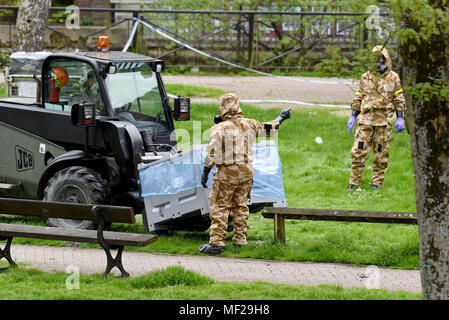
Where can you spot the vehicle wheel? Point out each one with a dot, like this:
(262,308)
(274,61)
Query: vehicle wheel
(77,185)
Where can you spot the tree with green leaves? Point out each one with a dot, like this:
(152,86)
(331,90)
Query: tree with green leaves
(424,53)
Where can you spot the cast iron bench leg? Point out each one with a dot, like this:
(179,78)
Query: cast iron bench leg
(111,262)
(114,262)
(6,252)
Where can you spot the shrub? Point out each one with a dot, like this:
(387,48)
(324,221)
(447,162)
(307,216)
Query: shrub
(336,65)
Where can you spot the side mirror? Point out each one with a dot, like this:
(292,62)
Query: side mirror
(182,109)
(83,115)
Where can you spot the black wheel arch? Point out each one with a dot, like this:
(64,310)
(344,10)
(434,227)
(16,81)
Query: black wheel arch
(68,159)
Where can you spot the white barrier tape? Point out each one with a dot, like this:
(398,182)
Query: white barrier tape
(301,103)
(233,64)
(131,37)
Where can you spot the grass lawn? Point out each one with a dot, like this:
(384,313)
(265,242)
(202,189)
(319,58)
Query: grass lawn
(314,177)
(174,283)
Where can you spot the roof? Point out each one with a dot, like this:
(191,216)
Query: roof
(116,56)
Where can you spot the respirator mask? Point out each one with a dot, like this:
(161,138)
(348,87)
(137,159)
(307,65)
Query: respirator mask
(380,63)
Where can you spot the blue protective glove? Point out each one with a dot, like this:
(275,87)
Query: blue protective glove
(351,123)
(400,125)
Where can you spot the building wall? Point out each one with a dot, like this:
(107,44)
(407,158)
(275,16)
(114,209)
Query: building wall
(97,17)
(130,4)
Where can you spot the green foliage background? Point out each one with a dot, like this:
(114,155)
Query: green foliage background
(347,62)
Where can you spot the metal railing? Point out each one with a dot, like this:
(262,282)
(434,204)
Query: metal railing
(258,39)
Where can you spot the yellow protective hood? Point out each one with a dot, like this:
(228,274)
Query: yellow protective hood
(230,107)
(386,55)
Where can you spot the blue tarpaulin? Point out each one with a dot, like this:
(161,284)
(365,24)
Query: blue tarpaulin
(184,172)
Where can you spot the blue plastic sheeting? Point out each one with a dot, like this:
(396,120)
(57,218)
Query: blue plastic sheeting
(174,175)
(184,172)
(267,167)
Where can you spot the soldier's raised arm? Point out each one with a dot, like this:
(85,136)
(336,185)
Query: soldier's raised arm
(268,129)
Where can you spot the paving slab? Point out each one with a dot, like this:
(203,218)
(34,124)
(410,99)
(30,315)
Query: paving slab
(93,261)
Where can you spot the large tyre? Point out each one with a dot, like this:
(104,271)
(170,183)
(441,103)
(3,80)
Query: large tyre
(77,185)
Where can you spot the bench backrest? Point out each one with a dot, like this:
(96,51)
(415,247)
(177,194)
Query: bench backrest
(64,210)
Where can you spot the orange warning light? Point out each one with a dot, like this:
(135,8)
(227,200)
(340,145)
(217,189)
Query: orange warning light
(103,44)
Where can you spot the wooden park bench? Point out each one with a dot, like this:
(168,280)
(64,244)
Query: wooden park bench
(280,214)
(102,214)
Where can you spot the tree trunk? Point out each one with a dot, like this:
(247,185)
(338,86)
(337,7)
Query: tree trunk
(429,131)
(30,26)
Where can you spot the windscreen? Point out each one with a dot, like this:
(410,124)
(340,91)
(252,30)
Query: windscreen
(134,85)
(134,93)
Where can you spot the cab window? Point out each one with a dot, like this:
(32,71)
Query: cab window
(134,93)
(68,82)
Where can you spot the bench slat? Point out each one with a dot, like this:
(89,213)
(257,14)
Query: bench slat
(75,235)
(49,209)
(341,215)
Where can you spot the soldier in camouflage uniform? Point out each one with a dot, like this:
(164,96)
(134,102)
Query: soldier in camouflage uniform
(230,150)
(378,96)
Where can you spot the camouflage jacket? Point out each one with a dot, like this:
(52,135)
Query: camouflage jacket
(379,95)
(231,140)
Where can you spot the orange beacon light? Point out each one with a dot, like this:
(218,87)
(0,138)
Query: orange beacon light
(103,44)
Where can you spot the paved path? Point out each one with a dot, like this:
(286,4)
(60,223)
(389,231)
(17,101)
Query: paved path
(261,88)
(221,268)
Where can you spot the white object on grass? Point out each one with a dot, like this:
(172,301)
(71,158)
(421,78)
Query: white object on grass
(318,140)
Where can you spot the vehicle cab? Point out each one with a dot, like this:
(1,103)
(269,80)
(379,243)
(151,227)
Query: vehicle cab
(132,121)
(124,86)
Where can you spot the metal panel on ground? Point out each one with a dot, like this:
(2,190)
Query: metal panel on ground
(175,199)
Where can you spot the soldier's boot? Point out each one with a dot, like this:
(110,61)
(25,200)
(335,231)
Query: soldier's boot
(211,249)
(351,186)
(376,187)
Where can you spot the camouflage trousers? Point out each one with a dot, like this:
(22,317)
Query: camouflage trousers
(230,191)
(377,137)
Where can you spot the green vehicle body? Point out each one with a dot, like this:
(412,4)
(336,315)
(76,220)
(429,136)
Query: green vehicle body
(23,160)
